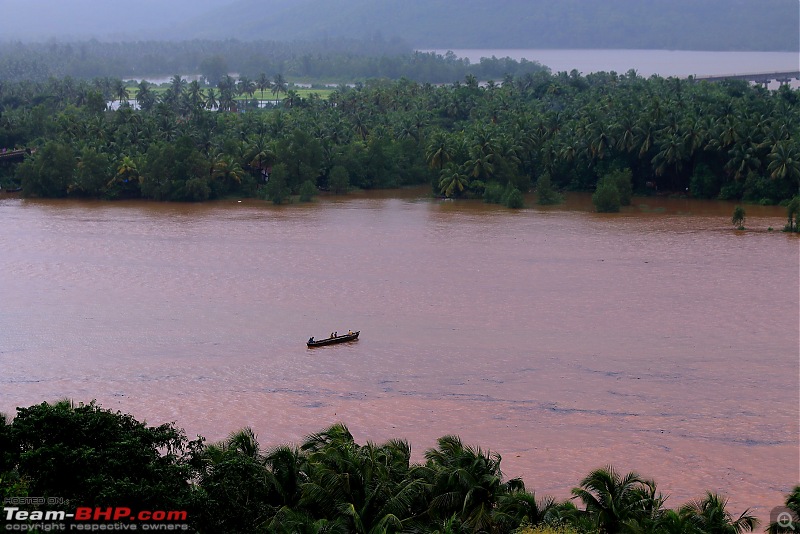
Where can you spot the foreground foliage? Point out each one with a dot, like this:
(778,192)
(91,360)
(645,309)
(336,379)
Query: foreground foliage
(329,483)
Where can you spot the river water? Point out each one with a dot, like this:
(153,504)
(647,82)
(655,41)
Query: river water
(679,63)
(658,340)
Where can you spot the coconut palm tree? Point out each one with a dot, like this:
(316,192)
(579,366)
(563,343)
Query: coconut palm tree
(671,156)
(367,486)
(228,169)
(440,150)
(784,161)
(121,91)
(743,159)
(292,99)
(195,96)
(211,99)
(177,85)
(711,516)
(144,96)
(245,86)
(465,481)
(611,499)
(452,181)
(278,86)
(263,83)
(226,100)
(519,506)
(233,475)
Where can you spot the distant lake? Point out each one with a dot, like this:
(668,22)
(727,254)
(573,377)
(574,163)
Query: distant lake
(681,63)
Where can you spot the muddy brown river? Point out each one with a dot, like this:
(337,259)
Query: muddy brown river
(658,340)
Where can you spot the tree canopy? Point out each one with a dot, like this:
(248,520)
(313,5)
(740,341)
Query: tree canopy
(328,483)
(727,140)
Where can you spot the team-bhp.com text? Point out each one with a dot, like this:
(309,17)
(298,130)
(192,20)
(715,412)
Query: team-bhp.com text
(118,518)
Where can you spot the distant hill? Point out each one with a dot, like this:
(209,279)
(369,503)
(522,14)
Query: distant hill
(644,24)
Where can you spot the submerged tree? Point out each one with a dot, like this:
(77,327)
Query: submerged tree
(738,217)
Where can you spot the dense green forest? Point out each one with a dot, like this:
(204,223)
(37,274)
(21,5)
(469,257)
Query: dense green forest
(562,132)
(327,484)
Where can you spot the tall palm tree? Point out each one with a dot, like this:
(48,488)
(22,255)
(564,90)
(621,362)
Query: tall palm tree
(195,95)
(177,85)
(279,86)
(246,86)
(226,100)
(440,150)
(291,99)
(144,96)
(671,156)
(121,91)
(263,83)
(211,99)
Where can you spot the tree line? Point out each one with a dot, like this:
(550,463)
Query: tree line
(561,131)
(332,60)
(328,483)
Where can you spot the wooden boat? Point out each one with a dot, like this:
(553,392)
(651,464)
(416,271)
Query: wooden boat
(333,340)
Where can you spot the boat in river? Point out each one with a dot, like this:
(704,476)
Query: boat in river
(350,336)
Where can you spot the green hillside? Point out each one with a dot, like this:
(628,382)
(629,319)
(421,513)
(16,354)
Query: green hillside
(646,24)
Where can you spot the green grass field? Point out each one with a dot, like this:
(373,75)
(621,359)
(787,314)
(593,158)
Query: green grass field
(302,92)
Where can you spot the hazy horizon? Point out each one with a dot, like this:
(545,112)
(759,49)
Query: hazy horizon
(114,20)
(629,24)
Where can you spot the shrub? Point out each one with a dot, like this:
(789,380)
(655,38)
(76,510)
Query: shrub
(793,215)
(738,217)
(339,181)
(307,191)
(606,197)
(98,457)
(622,180)
(703,183)
(547,194)
(493,193)
(513,198)
(276,190)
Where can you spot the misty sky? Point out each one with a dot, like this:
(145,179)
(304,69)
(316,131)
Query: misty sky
(661,24)
(102,19)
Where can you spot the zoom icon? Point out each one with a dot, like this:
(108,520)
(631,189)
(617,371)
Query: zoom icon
(784,520)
